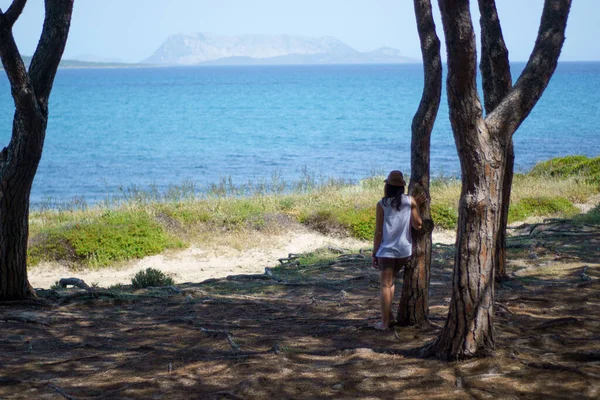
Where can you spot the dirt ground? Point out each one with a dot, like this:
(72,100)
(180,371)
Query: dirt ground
(302,333)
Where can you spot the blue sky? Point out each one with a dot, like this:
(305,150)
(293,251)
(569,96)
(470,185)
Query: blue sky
(130,30)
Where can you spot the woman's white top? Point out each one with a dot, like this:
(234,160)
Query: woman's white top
(397,239)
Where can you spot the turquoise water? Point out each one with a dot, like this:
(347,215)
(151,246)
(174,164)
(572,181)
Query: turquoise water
(119,128)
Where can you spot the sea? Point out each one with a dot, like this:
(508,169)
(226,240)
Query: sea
(112,130)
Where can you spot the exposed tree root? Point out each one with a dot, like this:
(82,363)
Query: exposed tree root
(62,392)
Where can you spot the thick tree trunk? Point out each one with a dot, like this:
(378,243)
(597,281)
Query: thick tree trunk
(483,147)
(14,214)
(20,159)
(414,301)
(16,179)
(469,329)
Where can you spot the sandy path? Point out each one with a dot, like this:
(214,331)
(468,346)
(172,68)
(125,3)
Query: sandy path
(196,264)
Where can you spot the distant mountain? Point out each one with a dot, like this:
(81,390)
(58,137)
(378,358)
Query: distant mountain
(96,59)
(204,48)
(85,64)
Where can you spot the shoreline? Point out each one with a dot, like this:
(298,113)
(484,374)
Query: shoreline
(194,239)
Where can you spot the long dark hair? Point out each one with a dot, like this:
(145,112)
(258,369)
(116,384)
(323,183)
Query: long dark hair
(393,194)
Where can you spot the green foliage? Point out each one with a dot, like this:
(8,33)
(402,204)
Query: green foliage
(358,222)
(579,166)
(112,236)
(591,217)
(320,256)
(151,277)
(540,206)
(444,216)
(322,221)
(147,223)
(117,287)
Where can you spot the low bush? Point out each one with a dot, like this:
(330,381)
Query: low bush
(112,236)
(148,224)
(323,221)
(150,277)
(360,222)
(591,217)
(580,166)
(540,206)
(443,216)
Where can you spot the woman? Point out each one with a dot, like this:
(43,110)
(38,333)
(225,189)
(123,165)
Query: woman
(392,247)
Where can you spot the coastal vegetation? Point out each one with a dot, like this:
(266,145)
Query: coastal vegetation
(147,223)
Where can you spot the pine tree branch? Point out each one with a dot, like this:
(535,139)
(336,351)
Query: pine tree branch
(462,62)
(494,64)
(51,46)
(14,11)
(21,87)
(519,102)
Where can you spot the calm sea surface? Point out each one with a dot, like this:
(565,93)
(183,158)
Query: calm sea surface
(118,128)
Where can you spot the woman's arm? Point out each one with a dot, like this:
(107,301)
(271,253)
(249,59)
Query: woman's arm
(415,205)
(378,229)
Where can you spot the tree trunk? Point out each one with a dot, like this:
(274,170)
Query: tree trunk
(16,179)
(483,149)
(469,329)
(497,83)
(20,159)
(500,260)
(13,248)
(414,301)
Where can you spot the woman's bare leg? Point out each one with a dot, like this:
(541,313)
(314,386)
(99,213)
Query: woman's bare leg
(387,295)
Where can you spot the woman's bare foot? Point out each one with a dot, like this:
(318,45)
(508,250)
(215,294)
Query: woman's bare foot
(380,326)
(392,320)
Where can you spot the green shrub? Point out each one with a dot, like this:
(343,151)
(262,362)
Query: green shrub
(323,221)
(444,216)
(112,236)
(540,206)
(563,167)
(356,221)
(360,222)
(150,277)
(591,217)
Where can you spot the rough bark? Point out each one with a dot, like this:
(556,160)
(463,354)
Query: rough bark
(500,260)
(497,82)
(414,301)
(20,159)
(469,328)
(483,146)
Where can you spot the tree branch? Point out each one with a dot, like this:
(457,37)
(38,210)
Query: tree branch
(14,11)
(20,84)
(519,102)
(50,48)
(432,64)
(494,65)
(462,63)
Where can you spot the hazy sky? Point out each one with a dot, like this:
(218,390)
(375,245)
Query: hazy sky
(130,30)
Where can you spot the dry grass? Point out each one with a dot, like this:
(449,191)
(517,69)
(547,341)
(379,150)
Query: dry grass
(237,214)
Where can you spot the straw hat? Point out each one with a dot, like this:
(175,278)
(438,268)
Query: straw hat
(395,178)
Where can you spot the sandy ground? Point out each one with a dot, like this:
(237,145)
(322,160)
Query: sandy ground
(196,263)
(304,333)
